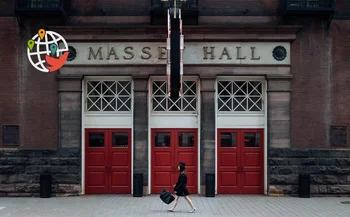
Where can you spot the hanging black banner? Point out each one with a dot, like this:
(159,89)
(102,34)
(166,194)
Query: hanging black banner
(175,55)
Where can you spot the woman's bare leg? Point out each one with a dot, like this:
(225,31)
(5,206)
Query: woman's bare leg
(190,203)
(175,204)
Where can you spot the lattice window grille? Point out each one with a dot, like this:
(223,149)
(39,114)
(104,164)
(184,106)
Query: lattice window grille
(240,96)
(162,102)
(108,96)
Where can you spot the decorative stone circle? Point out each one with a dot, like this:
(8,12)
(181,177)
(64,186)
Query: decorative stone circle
(279,53)
(72,53)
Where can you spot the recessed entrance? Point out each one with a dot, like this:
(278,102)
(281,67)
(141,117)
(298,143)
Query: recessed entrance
(108,161)
(169,147)
(240,161)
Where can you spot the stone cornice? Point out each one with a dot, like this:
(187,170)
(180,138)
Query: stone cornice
(69,77)
(207,77)
(219,29)
(192,33)
(279,77)
(140,77)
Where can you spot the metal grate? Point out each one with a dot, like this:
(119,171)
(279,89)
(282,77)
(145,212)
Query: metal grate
(39,4)
(310,4)
(186,102)
(170,3)
(240,96)
(108,96)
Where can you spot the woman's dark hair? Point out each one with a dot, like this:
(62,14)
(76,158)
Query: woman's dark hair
(182,166)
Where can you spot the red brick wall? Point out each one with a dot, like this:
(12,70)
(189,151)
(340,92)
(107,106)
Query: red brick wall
(341,73)
(40,102)
(40,112)
(27,97)
(320,84)
(9,73)
(307,97)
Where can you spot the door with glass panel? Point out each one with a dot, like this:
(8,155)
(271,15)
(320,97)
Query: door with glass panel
(108,161)
(169,147)
(240,161)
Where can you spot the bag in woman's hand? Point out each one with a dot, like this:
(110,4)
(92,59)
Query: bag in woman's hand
(166,196)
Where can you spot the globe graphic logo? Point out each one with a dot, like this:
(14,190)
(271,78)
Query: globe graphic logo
(47,51)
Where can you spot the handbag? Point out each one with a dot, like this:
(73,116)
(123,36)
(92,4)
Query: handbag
(166,196)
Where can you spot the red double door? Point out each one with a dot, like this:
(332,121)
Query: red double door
(240,161)
(169,147)
(108,161)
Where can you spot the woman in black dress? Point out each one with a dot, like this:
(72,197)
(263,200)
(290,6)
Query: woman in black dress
(180,188)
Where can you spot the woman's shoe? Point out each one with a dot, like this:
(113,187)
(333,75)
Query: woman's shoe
(193,210)
(170,210)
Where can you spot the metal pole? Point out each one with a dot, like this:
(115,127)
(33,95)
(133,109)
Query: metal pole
(168,53)
(181,53)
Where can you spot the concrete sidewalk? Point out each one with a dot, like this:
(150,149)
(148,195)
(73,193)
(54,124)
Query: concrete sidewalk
(128,206)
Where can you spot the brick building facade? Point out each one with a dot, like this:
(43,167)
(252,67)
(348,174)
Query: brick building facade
(46,118)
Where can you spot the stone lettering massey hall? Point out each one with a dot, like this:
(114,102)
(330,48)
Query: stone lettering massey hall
(128,53)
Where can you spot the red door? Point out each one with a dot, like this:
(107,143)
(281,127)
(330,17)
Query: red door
(169,147)
(96,161)
(108,161)
(240,161)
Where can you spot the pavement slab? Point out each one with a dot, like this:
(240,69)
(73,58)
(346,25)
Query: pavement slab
(152,206)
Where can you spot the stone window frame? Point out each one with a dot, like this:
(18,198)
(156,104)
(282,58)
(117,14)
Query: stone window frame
(261,96)
(118,98)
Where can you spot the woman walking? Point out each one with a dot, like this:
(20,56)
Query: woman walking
(180,188)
